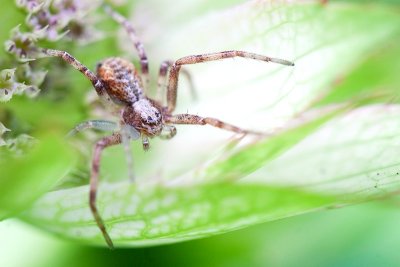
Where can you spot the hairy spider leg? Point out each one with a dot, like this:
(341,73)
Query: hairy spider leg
(129,133)
(102,125)
(107,141)
(128,154)
(100,145)
(97,84)
(194,59)
(144,63)
(194,119)
(162,81)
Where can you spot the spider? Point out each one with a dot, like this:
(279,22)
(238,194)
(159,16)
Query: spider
(117,82)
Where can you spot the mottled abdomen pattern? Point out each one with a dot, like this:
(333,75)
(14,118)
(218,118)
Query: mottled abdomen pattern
(121,80)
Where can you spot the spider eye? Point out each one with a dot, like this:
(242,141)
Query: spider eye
(149,118)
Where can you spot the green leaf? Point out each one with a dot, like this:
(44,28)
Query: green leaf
(352,156)
(158,214)
(10,18)
(256,156)
(375,79)
(23,180)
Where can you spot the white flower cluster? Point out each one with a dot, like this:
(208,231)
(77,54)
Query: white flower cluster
(47,20)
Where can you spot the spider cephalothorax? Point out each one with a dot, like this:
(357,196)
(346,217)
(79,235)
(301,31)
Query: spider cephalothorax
(118,81)
(145,116)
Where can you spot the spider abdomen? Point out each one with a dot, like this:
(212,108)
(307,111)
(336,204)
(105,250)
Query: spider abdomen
(120,79)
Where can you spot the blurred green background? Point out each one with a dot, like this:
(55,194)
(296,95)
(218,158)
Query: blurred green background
(360,235)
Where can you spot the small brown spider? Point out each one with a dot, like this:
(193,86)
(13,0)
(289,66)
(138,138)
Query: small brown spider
(118,82)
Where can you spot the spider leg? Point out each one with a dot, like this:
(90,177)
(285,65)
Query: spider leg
(97,84)
(129,133)
(194,119)
(94,179)
(162,80)
(176,67)
(102,125)
(135,39)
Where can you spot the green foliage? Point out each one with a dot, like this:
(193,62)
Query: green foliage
(25,179)
(256,156)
